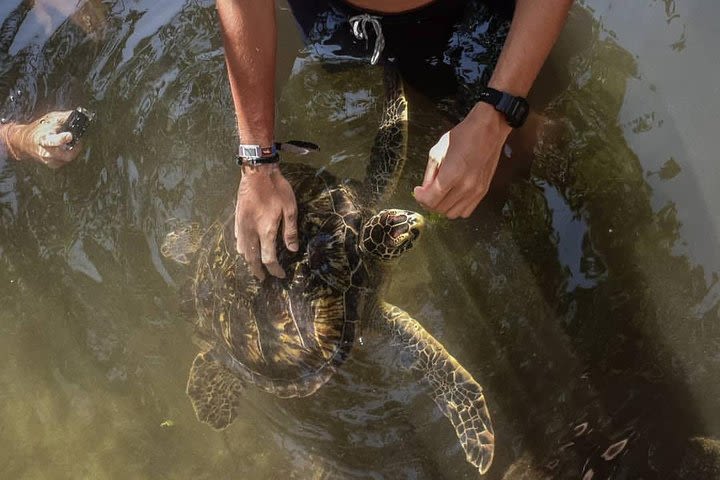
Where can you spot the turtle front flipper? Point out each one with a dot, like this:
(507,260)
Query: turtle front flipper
(213,391)
(454,390)
(389,149)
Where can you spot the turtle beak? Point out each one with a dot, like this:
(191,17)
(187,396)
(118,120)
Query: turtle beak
(417,224)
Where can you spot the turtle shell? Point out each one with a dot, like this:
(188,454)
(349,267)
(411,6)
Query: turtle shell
(287,336)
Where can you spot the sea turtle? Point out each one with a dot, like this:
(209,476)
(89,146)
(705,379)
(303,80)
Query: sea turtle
(288,336)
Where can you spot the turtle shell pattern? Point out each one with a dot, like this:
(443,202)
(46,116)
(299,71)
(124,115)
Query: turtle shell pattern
(287,336)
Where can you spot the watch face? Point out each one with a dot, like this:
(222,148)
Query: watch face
(520,112)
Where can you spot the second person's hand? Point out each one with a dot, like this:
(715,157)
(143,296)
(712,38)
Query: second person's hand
(265,200)
(42,141)
(462,163)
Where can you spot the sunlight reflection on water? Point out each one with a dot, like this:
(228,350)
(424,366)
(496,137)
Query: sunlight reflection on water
(584,294)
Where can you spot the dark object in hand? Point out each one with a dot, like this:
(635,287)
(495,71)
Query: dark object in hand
(77,123)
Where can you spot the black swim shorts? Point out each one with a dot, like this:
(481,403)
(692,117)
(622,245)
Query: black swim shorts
(436,47)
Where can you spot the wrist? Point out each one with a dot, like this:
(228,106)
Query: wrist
(257,154)
(11,136)
(514,109)
(485,117)
(257,172)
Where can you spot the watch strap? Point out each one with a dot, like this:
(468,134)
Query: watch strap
(253,161)
(491,96)
(515,109)
(257,155)
(256,151)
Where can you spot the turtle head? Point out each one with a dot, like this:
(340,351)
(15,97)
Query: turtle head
(392,232)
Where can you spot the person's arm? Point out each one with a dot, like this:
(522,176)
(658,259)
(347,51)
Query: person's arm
(265,198)
(462,164)
(39,141)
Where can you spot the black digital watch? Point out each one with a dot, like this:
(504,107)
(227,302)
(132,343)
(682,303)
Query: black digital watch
(515,109)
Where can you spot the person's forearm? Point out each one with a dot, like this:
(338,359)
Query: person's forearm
(535,27)
(249,37)
(7,133)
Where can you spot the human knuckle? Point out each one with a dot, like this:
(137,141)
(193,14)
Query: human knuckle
(242,217)
(244,235)
(468,184)
(269,231)
(269,260)
(431,203)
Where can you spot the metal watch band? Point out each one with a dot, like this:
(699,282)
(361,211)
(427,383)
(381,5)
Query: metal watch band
(254,161)
(256,151)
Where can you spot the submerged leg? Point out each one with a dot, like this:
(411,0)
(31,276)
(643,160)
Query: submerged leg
(214,392)
(454,390)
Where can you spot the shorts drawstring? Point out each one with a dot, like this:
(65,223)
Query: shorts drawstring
(359,23)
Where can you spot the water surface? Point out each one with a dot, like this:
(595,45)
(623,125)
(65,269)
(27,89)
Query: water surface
(583,294)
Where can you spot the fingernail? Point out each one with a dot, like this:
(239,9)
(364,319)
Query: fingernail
(293,247)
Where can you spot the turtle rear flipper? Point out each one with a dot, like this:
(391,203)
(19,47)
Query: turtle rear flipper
(213,391)
(454,390)
(182,242)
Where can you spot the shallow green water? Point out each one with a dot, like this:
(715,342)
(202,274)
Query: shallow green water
(583,295)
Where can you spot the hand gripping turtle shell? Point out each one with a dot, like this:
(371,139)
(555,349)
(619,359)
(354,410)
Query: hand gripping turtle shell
(288,336)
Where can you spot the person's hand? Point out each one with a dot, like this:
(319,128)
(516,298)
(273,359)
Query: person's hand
(41,141)
(264,200)
(463,162)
